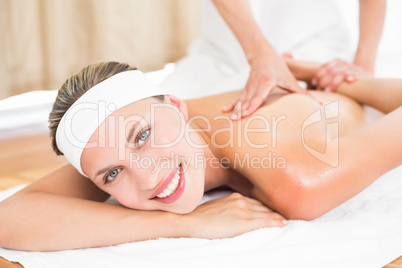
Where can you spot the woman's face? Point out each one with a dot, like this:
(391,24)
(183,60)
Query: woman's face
(146,156)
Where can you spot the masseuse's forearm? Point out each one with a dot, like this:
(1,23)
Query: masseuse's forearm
(239,18)
(371,22)
(46,222)
(382,94)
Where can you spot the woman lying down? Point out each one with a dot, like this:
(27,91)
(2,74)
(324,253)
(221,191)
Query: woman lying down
(156,154)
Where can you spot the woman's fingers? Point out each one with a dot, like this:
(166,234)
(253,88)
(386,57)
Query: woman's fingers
(270,219)
(255,206)
(230,216)
(261,208)
(256,211)
(265,222)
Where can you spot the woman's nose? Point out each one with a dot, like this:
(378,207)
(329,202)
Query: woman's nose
(145,179)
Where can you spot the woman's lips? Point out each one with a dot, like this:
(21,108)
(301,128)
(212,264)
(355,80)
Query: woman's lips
(169,184)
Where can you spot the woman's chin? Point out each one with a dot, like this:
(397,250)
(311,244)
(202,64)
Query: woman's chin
(188,207)
(185,210)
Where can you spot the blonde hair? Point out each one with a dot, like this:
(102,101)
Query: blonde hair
(75,87)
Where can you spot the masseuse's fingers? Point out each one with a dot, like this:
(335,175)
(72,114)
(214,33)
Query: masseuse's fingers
(256,98)
(251,97)
(235,105)
(267,71)
(324,70)
(324,74)
(230,106)
(336,81)
(330,75)
(335,70)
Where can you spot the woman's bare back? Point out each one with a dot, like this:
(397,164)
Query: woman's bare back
(277,141)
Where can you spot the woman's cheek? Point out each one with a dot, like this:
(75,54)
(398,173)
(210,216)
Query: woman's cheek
(125,198)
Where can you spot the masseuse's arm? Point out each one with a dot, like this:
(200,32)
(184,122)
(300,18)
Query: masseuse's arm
(371,22)
(64,210)
(267,68)
(383,94)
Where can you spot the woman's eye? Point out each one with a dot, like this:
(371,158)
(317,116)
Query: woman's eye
(112,175)
(142,137)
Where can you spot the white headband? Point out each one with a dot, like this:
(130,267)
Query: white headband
(87,113)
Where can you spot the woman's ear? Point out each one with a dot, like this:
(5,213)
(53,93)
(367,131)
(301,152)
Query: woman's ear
(181,105)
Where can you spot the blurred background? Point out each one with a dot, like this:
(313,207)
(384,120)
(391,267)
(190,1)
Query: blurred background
(45,41)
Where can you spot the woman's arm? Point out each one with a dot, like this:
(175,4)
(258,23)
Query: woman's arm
(64,210)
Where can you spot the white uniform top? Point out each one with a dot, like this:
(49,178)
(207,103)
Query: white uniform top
(285,23)
(309,29)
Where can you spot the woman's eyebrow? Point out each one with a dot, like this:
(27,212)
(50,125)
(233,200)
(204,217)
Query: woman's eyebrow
(103,170)
(131,133)
(129,137)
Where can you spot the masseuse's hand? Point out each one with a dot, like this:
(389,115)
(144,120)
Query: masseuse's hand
(267,71)
(330,75)
(231,216)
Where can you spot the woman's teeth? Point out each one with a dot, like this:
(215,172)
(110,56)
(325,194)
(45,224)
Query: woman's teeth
(172,186)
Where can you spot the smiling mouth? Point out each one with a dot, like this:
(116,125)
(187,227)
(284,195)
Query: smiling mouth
(172,188)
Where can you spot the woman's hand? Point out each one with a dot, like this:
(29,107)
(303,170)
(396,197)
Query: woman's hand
(230,216)
(330,75)
(267,71)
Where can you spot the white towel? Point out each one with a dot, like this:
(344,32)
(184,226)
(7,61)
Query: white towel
(365,231)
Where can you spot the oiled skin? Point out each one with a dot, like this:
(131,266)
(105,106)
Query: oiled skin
(299,185)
